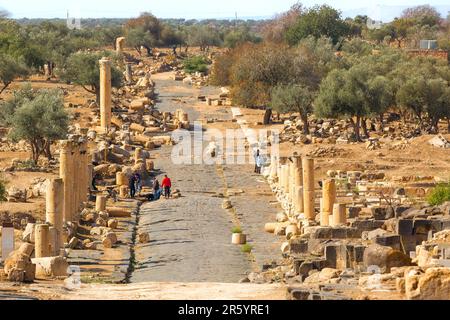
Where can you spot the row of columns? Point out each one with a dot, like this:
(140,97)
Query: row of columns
(76,172)
(64,197)
(296,180)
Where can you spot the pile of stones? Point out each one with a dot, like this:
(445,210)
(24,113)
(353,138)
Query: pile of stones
(368,241)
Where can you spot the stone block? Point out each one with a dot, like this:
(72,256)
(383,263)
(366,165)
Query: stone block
(400,210)
(353,212)
(339,233)
(50,267)
(322,233)
(382,213)
(436,225)
(392,241)
(446,224)
(305,268)
(422,226)
(409,243)
(337,256)
(299,294)
(384,258)
(359,253)
(405,227)
(299,246)
(364,225)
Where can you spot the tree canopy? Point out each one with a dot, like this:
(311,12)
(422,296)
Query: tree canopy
(38,117)
(83,69)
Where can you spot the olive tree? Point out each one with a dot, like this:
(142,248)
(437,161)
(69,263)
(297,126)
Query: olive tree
(293,98)
(38,117)
(83,69)
(10,69)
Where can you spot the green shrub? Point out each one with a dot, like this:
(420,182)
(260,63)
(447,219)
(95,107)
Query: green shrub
(236,230)
(246,248)
(2,189)
(439,195)
(27,164)
(195,64)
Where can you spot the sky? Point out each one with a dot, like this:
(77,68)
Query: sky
(191,9)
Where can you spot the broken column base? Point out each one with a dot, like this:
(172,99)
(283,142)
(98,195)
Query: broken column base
(51,267)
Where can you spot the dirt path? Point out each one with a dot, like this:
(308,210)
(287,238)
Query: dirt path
(146,291)
(191,236)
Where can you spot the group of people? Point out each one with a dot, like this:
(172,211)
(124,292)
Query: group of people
(135,186)
(165,188)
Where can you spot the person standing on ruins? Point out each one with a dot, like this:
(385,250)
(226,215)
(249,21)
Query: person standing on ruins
(94,181)
(138,183)
(166,184)
(132,185)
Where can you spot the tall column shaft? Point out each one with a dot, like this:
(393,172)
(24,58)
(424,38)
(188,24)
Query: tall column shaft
(137,155)
(339,215)
(308,188)
(54,210)
(65,173)
(105,93)
(90,171)
(84,173)
(42,241)
(328,200)
(100,203)
(298,199)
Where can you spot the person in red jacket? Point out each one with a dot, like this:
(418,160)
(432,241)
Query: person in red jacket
(166,184)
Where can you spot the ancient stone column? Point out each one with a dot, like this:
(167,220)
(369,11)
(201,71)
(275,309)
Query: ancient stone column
(100,203)
(76,182)
(105,94)
(291,178)
(308,188)
(273,167)
(285,173)
(121,179)
(41,241)
(7,238)
(54,210)
(339,215)
(128,72)
(123,191)
(298,199)
(90,171)
(297,161)
(83,172)
(119,44)
(53,241)
(66,174)
(298,177)
(328,200)
(137,155)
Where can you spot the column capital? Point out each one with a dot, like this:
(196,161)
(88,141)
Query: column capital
(105,61)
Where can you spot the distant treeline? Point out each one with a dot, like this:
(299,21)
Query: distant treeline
(114,22)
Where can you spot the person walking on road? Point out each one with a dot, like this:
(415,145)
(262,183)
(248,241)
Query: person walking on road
(256,155)
(156,190)
(259,163)
(166,184)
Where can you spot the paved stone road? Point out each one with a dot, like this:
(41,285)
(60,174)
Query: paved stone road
(191,236)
